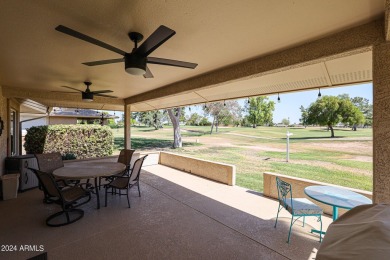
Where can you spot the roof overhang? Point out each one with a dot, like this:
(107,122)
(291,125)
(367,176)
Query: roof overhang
(256,48)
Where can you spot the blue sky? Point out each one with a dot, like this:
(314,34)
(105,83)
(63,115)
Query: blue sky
(291,102)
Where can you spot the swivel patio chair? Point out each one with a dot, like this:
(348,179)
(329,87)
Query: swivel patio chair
(127,182)
(67,197)
(298,207)
(48,162)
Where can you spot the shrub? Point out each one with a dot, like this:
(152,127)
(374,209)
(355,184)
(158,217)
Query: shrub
(80,141)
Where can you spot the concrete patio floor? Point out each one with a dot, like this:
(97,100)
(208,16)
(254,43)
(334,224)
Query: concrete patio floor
(179,216)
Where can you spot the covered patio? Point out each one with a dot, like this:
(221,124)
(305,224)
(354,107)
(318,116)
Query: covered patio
(178,216)
(243,50)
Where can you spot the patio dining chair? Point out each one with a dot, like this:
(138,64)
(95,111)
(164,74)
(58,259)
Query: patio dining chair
(124,157)
(48,162)
(67,197)
(127,182)
(298,207)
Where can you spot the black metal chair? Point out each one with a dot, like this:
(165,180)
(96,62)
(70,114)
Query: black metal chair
(127,182)
(66,197)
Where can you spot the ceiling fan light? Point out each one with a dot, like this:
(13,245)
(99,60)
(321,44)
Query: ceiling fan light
(135,65)
(135,71)
(87,97)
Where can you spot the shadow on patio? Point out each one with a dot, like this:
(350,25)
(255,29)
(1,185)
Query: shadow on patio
(179,216)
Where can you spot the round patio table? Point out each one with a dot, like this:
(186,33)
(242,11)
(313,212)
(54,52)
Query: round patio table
(336,197)
(88,170)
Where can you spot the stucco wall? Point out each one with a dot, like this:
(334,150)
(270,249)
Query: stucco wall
(224,173)
(62,121)
(37,122)
(3,137)
(381,122)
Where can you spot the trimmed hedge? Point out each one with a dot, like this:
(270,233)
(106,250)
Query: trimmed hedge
(82,141)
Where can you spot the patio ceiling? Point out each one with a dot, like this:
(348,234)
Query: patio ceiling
(36,59)
(347,70)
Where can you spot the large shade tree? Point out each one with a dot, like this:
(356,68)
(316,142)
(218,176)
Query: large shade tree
(304,116)
(260,111)
(175,115)
(330,110)
(222,110)
(365,107)
(151,118)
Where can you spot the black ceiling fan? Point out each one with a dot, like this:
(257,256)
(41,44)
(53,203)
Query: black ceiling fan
(136,60)
(87,95)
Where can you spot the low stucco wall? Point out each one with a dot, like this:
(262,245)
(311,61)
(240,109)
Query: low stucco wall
(152,158)
(220,172)
(298,185)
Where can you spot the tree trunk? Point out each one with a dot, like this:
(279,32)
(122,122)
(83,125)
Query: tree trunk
(212,126)
(354,127)
(331,130)
(175,118)
(216,125)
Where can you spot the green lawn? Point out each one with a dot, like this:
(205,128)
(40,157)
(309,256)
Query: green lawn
(345,160)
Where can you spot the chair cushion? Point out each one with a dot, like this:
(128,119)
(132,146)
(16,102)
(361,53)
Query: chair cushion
(303,206)
(73,193)
(119,183)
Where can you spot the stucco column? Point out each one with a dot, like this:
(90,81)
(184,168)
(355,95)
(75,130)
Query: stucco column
(127,127)
(381,122)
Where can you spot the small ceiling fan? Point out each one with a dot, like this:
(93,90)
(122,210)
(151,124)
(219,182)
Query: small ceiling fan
(136,60)
(87,95)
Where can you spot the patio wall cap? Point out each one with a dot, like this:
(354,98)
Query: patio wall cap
(318,182)
(226,164)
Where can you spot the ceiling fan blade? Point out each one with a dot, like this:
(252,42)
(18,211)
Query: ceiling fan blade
(89,39)
(148,74)
(158,37)
(174,63)
(64,92)
(102,62)
(101,91)
(102,95)
(72,88)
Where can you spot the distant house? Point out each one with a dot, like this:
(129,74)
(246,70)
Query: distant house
(68,116)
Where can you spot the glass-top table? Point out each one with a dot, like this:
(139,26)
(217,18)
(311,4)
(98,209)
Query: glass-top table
(336,197)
